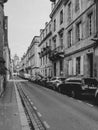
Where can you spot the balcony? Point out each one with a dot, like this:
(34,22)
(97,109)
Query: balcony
(45,51)
(57,53)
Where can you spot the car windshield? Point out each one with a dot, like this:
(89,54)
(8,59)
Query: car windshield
(58,78)
(74,80)
(90,81)
(62,79)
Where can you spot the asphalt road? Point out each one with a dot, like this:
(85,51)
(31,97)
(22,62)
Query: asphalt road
(60,112)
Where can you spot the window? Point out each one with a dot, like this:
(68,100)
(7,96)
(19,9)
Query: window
(79,31)
(61,39)
(77,6)
(90,22)
(54,25)
(70,67)
(54,69)
(41,61)
(54,42)
(46,44)
(69,12)
(61,67)
(50,43)
(61,17)
(70,38)
(49,27)
(78,60)
(43,34)
(46,31)
(46,58)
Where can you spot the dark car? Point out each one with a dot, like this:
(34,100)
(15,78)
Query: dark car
(78,86)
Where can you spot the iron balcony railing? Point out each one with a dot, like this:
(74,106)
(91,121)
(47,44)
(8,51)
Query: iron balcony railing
(57,53)
(45,51)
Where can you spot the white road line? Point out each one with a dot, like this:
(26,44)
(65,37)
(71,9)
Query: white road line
(89,104)
(29,99)
(39,114)
(32,103)
(79,101)
(35,108)
(46,125)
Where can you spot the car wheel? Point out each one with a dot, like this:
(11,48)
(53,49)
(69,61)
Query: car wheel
(73,94)
(96,99)
(59,89)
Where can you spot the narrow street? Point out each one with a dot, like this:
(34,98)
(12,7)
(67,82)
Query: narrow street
(49,65)
(59,112)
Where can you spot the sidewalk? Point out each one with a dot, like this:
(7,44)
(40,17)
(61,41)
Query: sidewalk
(9,112)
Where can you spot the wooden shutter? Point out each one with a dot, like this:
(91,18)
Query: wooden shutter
(82,65)
(74,66)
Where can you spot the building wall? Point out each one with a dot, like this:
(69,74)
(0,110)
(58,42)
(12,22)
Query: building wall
(80,51)
(55,15)
(1,30)
(83,47)
(45,42)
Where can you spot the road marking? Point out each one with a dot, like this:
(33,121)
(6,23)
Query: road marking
(35,108)
(39,114)
(46,125)
(79,101)
(89,104)
(32,103)
(29,99)
(86,103)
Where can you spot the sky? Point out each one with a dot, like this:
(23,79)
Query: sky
(25,19)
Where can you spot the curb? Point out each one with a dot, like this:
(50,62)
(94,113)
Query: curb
(23,118)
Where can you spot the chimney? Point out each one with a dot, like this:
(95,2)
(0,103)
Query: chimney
(46,23)
(41,30)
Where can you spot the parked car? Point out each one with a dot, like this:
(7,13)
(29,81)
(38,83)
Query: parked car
(96,96)
(26,75)
(55,82)
(78,86)
(44,82)
(14,74)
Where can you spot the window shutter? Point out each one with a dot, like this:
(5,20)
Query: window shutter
(70,67)
(74,66)
(82,65)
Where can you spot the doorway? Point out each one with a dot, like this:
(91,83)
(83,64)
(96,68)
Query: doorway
(90,64)
(54,69)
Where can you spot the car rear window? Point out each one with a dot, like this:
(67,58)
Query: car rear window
(91,82)
(77,81)
(62,79)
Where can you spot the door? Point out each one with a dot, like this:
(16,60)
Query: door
(90,64)
(54,69)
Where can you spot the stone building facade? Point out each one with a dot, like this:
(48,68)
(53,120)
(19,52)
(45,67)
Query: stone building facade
(30,61)
(34,56)
(57,52)
(45,48)
(69,42)
(2,68)
(80,29)
(6,49)
(75,29)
